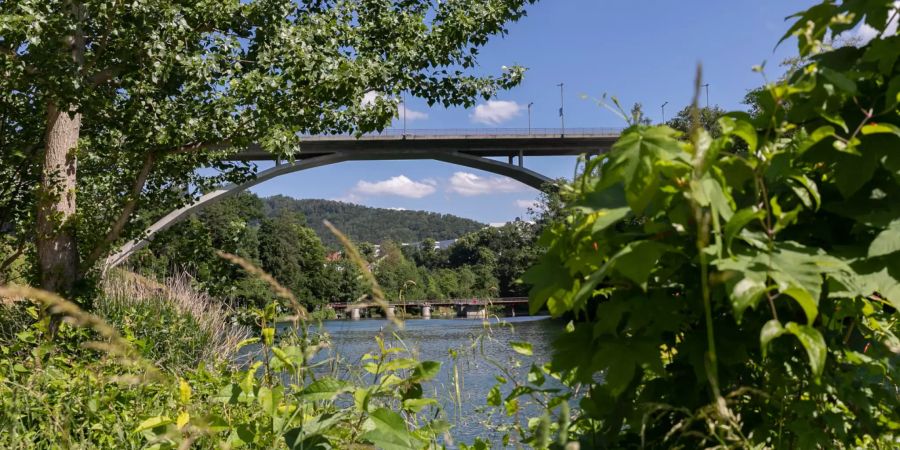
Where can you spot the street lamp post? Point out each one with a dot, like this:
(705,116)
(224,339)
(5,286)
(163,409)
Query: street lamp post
(664,111)
(707,94)
(529,116)
(562,116)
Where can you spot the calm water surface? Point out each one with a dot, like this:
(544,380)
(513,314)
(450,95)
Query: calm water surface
(433,339)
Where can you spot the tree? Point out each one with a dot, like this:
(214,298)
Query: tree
(157,89)
(708,119)
(638,116)
(294,255)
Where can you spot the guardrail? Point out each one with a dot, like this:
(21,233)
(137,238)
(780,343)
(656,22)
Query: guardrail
(477,132)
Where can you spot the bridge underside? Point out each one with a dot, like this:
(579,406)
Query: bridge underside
(473,151)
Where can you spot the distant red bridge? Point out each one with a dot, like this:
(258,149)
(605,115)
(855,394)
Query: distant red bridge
(448,302)
(474,307)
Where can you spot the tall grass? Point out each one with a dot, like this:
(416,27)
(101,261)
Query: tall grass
(171,323)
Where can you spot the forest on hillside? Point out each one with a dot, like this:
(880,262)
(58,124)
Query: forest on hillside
(366,224)
(279,238)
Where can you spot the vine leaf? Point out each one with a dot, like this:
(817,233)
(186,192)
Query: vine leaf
(771,330)
(522,348)
(389,432)
(814,344)
(738,221)
(887,242)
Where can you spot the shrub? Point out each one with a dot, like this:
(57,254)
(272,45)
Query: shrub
(741,291)
(170,322)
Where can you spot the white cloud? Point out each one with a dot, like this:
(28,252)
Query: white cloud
(864,33)
(400,185)
(469,184)
(495,112)
(525,204)
(411,114)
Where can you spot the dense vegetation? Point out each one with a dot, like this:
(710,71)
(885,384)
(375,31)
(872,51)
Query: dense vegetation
(107,109)
(277,237)
(728,286)
(368,224)
(739,288)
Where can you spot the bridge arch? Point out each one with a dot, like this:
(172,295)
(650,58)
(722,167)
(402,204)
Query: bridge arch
(516,172)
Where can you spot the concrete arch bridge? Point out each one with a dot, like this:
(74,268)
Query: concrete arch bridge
(498,151)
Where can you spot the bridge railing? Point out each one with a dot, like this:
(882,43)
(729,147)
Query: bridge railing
(477,132)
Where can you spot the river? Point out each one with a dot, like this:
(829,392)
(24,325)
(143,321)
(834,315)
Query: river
(433,339)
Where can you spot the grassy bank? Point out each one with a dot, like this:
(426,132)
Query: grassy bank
(151,370)
(170,322)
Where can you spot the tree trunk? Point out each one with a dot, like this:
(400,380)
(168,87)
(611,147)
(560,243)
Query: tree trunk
(56,242)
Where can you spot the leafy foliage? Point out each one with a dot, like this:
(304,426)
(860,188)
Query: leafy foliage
(740,288)
(80,392)
(145,93)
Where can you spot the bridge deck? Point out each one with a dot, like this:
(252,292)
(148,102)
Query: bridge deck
(423,144)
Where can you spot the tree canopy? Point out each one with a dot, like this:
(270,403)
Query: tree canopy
(118,103)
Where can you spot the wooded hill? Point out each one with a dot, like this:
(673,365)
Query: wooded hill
(375,225)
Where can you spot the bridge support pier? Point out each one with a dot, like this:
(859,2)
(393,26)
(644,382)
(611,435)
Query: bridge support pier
(426,312)
(354,313)
(391,311)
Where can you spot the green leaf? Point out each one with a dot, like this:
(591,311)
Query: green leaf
(324,389)
(839,80)
(228,394)
(814,138)
(887,241)
(399,364)
(892,96)
(636,160)
(807,192)
(426,371)
(417,404)
(494,398)
(740,128)
(606,217)
(814,344)
(746,292)
(738,221)
(153,422)
(390,432)
(536,376)
(771,330)
(806,301)
(881,128)
(522,348)
(637,260)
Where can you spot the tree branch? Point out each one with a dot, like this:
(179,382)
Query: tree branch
(119,225)
(134,196)
(11,259)
(104,75)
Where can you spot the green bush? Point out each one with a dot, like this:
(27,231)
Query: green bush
(170,323)
(742,291)
(91,387)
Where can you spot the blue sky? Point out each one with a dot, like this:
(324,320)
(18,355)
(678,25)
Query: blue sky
(640,51)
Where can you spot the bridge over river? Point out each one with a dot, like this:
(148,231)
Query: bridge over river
(464,307)
(499,151)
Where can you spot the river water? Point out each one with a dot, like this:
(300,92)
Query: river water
(475,341)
